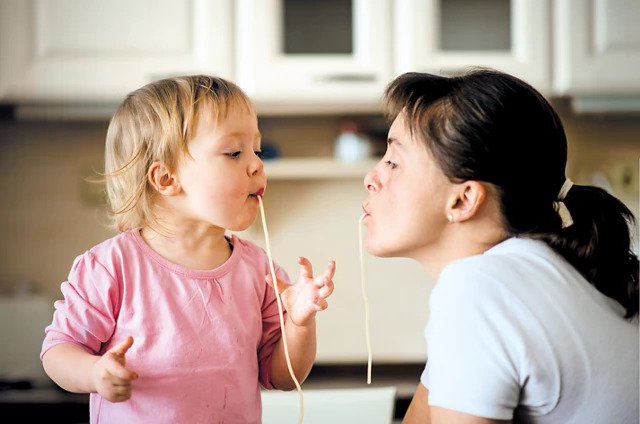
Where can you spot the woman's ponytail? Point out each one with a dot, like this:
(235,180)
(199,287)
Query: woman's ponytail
(598,244)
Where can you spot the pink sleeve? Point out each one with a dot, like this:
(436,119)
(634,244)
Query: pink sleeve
(270,329)
(87,314)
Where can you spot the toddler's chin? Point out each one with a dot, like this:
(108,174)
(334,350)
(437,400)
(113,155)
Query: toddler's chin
(242,225)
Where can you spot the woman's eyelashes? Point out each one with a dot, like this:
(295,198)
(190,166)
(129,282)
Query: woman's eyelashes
(388,154)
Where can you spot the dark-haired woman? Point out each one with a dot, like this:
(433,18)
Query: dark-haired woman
(533,317)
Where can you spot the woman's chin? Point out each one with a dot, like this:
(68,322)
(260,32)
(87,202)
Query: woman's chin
(380,249)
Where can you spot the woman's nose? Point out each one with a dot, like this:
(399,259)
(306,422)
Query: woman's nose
(371,181)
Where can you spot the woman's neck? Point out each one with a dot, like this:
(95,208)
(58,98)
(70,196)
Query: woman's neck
(457,243)
(193,245)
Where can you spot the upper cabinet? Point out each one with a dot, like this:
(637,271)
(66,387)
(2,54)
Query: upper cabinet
(297,56)
(449,36)
(96,50)
(597,47)
(334,51)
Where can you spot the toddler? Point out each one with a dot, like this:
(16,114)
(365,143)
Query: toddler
(172,321)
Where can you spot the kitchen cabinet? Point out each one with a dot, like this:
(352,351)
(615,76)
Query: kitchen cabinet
(597,47)
(298,57)
(449,36)
(96,51)
(333,52)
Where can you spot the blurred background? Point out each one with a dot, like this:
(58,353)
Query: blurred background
(316,71)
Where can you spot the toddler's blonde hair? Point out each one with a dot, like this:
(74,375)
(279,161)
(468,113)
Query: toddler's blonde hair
(154,123)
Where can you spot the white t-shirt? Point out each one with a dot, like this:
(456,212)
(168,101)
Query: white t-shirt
(518,333)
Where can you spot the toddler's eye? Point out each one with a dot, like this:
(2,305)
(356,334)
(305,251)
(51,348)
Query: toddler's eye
(391,164)
(233,154)
(259,153)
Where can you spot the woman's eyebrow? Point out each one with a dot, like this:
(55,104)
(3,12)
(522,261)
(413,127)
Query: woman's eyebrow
(393,140)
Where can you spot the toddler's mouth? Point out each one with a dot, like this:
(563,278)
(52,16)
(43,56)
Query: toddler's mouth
(257,193)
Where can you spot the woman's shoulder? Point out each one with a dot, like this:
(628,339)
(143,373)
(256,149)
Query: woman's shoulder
(503,261)
(469,280)
(477,269)
(504,268)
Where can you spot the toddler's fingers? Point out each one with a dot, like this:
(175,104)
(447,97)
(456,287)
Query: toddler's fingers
(122,390)
(330,271)
(320,282)
(320,305)
(326,290)
(121,348)
(327,276)
(119,382)
(305,267)
(121,398)
(118,371)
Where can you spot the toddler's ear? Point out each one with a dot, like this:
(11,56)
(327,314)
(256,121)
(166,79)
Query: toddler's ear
(161,178)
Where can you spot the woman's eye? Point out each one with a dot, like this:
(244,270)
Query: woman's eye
(233,154)
(391,164)
(259,153)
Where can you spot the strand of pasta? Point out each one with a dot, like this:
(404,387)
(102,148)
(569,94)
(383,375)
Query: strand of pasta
(366,301)
(275,287)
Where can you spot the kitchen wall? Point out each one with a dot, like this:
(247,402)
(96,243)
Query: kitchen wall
(50,215)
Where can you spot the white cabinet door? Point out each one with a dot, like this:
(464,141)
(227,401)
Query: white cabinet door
(449,36)
(97,50)
(334,52)
(597,47)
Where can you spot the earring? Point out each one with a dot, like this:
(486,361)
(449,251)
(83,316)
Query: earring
(450,217)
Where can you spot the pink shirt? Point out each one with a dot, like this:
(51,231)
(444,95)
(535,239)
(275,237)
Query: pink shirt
(202,339)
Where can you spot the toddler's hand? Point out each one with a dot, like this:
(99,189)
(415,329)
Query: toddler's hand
(308,296)
(109,376)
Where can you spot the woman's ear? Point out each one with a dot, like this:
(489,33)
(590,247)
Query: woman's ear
(466,201)
(162,180)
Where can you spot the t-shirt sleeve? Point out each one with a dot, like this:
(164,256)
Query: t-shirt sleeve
(86,316)
(472,346)
(270,329)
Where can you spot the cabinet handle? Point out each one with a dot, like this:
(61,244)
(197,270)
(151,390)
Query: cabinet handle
(346,78)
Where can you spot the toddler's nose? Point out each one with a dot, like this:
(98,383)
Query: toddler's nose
(256,167)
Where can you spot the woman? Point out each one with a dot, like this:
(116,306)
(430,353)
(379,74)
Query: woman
(533,316)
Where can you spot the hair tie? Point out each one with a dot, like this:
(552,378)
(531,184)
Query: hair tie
(560,207)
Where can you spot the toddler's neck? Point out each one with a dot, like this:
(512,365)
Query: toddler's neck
(194,248)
